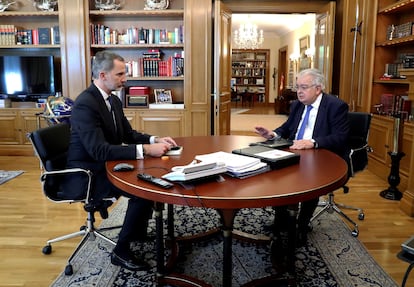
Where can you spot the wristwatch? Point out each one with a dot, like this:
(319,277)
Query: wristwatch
(315,143)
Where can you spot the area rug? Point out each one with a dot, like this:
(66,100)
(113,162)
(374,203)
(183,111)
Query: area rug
(8,175)
(332,257)
(247,122)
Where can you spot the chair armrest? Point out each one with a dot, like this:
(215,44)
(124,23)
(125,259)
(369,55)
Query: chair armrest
(364,147)
(61,172)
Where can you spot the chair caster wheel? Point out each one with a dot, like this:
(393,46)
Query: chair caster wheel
(361,216)
(355,233)
(47,249)
(69,269)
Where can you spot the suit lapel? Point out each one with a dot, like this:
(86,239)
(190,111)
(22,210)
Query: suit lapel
(103,109)
(321,112)
(116,109)
(298,117)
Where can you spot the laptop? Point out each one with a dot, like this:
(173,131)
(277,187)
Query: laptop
(275,143)
(275,158)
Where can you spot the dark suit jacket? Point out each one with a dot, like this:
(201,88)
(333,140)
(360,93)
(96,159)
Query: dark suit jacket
(331,127)
(94,140)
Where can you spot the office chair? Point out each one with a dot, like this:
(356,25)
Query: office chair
(51,145)
(359,124)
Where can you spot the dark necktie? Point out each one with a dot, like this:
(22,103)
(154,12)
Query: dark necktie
(108,103)
(304,123)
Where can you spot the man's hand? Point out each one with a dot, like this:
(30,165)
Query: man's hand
(156,149)
(302,144)
(166,140)
(264,132)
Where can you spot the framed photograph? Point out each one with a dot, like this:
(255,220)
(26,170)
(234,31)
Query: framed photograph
(304,44)
(163,96)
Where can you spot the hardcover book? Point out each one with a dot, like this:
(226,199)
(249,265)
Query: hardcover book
(44,36)
(55,35)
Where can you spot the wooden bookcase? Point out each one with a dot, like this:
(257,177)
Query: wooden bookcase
(125,36)
(392,44)
(131,21)
(250,72)
(75,51)
(21,119)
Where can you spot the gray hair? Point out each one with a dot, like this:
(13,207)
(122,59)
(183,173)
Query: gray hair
(104,61)
(317,77)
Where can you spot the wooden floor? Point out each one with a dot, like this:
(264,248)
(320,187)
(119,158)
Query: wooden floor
(27,220)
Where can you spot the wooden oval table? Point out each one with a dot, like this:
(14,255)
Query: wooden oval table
(317,173)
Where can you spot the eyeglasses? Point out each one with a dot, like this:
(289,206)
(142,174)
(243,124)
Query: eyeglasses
(304,87)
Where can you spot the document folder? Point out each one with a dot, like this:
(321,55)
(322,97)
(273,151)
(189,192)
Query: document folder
(275,143)
(275,158)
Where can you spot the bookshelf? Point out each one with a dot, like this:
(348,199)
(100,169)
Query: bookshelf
(394,44)
(19,25)
(151,41)
(250,72)
(191,112)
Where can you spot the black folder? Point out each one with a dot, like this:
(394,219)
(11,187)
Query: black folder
(275,143)
(275,158)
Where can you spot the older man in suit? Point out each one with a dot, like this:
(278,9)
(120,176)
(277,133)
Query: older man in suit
(316,120)
(101,132)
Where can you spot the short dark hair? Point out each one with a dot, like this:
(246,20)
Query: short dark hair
(104,61)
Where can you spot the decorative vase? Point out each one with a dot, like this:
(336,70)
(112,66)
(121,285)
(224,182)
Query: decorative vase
(156,4)
(45,5)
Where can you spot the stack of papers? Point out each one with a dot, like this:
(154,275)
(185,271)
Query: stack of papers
(195,171)
(239,166)
(275,158)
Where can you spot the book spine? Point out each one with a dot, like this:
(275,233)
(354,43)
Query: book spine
(35,37)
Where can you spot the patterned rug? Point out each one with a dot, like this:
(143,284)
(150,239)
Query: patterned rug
(333,257)
(8,175)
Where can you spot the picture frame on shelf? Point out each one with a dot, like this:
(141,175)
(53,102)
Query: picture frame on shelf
(163,96)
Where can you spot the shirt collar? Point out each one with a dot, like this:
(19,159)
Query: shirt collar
(315,105)
(105,96)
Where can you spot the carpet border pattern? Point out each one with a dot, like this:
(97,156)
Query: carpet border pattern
(332,258)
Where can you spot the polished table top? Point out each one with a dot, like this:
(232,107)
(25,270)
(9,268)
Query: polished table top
(318,172)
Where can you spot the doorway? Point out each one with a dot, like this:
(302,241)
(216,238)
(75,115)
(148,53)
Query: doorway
(279,9)
(281,39)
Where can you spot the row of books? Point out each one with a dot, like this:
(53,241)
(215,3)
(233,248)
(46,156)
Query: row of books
(104,35)
(11,35)
(391,104)
(155,67)
(400,31)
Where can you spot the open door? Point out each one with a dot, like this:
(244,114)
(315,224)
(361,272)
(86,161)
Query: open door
(324,42)
(222,69)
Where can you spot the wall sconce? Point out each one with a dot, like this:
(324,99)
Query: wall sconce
(310,52)
(294,57)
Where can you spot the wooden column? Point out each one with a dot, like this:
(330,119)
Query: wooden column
(407,201)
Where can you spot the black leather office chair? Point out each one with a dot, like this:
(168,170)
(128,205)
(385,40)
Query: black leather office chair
(358,159)
(51,146)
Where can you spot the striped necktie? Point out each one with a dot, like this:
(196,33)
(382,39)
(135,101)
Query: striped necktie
(304,123)
(108,103)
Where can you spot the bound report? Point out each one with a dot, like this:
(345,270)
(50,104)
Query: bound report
(275,158)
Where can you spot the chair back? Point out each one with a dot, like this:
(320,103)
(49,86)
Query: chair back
(359,125)
(51,146)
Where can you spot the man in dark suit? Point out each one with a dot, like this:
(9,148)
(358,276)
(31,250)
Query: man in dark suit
(326,127)
(101,132)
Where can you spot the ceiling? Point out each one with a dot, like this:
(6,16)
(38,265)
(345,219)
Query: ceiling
(279,24)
